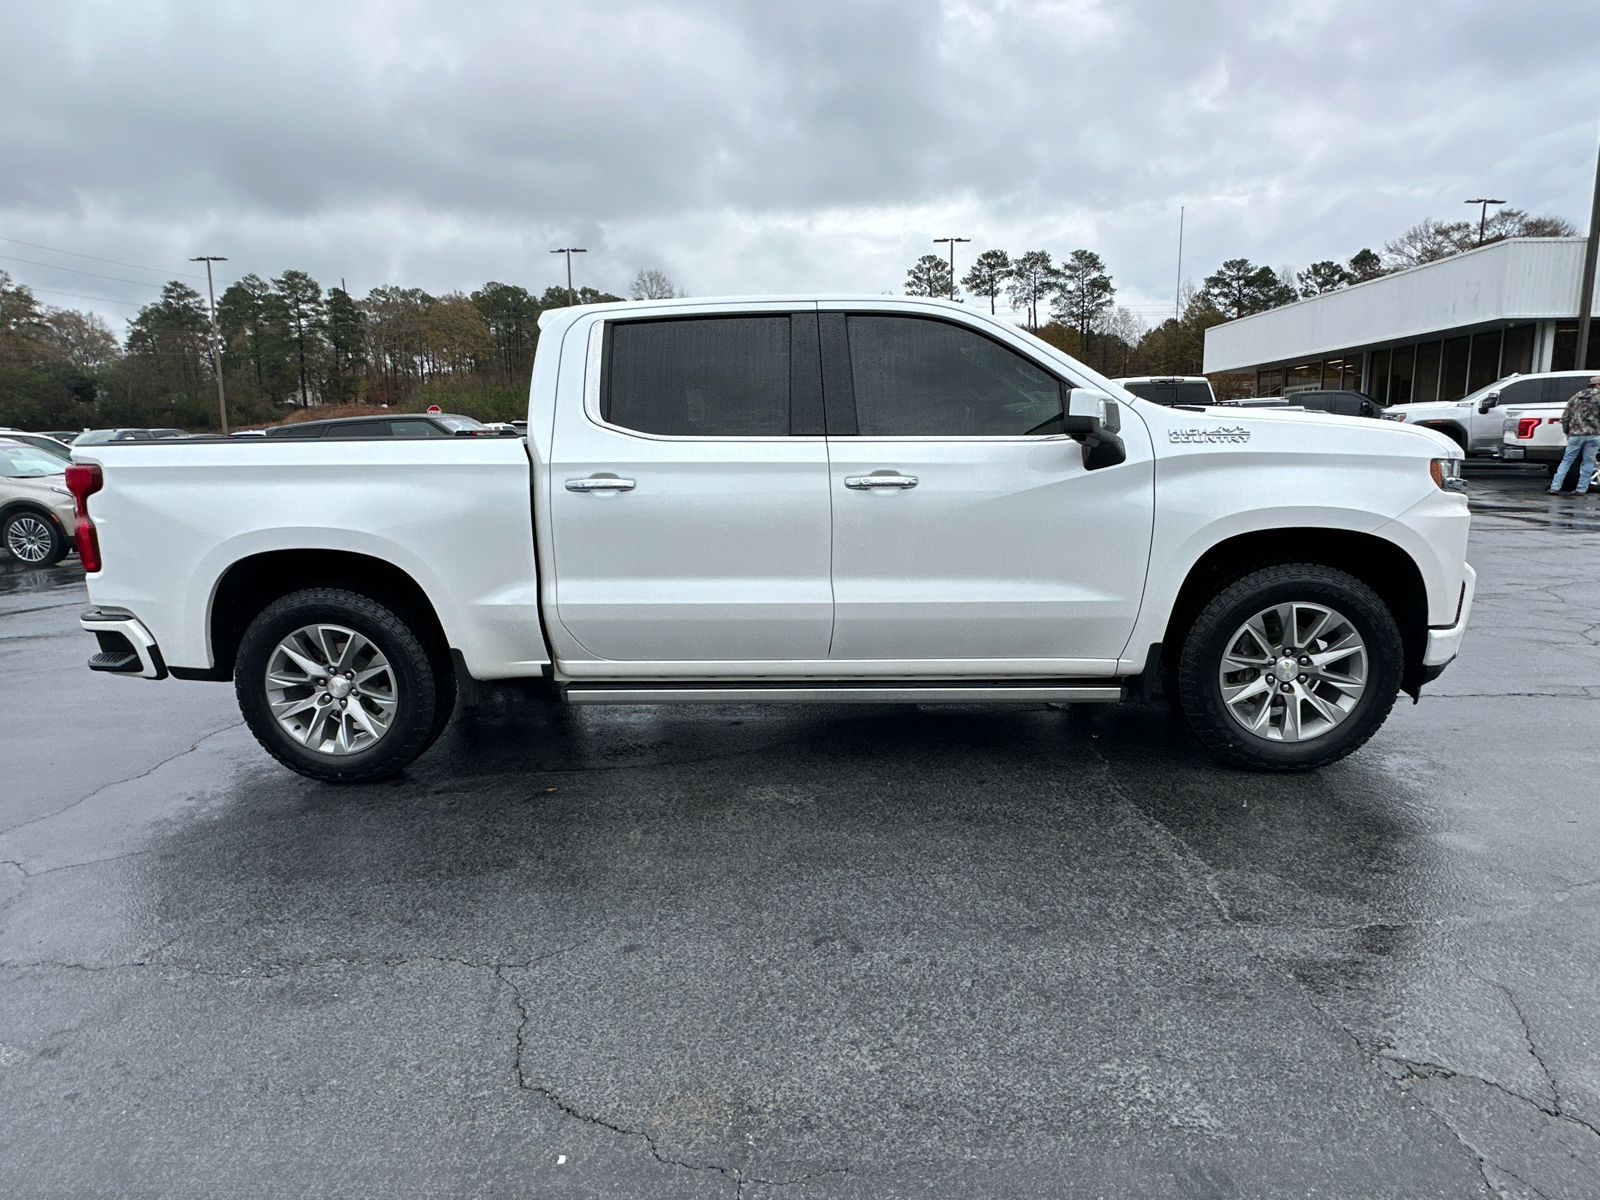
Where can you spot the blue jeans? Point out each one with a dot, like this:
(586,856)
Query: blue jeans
(1588,447)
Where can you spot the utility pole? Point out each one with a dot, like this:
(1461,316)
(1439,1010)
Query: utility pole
(1586,290)
(952,241)
(216,339)
(569,251)
(1483,213)
(1177,295)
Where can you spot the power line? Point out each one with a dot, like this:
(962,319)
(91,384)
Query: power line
(76,296)
(75,271)
(94,258)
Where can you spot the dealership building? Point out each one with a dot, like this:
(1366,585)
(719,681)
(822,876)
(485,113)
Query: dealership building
(1434,332)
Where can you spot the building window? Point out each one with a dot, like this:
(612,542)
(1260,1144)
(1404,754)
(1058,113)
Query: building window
(1425,387)
(1400,374)
(1352,373)
(1378,384)
(1516,357)
(1565,356)
(1306,376)
(1269,383)
(1484,368)
(1453,381)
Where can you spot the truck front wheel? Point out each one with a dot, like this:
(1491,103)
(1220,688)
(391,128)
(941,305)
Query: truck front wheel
(1289,668)
(339,687)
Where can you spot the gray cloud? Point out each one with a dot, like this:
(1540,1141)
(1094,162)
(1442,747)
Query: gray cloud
(754,146)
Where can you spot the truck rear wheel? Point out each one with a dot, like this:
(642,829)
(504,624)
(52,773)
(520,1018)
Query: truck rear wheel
(1289,668)
(338,687)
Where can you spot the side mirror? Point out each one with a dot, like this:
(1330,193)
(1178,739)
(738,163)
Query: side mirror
(1094,419)
(1488,402)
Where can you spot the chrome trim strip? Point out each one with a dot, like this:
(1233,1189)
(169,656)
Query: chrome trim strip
(832,693)
(151,664)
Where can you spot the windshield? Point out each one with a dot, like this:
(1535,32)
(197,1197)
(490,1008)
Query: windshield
(24,462)
(91,436)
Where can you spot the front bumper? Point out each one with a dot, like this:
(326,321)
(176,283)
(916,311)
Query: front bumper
(1445,643)
(126,647)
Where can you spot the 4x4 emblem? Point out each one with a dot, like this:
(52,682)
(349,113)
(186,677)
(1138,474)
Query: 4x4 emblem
(1229,433)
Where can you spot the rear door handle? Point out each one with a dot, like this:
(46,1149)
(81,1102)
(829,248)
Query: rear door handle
(863,483)
(600,483)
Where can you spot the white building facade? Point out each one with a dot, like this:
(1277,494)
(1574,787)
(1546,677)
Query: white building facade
(1434,332)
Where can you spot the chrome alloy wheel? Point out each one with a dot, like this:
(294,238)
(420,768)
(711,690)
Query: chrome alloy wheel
(1293,672)
(30,539)
(331,689)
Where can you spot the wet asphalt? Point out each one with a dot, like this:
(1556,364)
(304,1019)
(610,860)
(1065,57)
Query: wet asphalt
(813,952)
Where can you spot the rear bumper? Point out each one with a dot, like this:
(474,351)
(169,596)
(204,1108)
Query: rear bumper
(126,647)
(1548,454)
(1445,643)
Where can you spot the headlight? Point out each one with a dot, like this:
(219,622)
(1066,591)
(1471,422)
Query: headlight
(1447,474)
(1388,416)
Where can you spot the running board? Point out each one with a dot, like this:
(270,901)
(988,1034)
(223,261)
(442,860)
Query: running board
(836,692)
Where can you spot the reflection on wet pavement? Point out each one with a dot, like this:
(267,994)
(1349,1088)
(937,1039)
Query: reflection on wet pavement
(814,952)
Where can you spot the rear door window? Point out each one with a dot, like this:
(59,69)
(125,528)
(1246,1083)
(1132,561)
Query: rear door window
(1561,389)
(359,429)
(698,376)
(916,377)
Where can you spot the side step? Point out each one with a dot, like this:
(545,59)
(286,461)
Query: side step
(833,691)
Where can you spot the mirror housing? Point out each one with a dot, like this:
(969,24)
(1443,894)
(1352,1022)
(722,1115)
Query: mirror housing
(1094,419)
(1490,401)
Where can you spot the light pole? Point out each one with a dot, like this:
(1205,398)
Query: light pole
(952,241)
(1586,289)
(569,251)
(1483,213)
(216,339)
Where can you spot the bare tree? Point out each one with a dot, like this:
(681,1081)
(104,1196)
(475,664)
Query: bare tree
(651,284)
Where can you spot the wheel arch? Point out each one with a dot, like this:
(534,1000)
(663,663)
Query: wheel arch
(254,582)
(1457,433)
(1379,563)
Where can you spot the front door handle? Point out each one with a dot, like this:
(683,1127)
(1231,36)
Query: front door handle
(862,483)
(600,483)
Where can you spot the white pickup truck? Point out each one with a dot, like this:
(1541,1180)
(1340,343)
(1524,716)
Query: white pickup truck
(870,500)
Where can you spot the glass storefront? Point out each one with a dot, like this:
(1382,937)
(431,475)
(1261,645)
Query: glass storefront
(1565,356)
(1453,379)
(1426,386)
(1438,370)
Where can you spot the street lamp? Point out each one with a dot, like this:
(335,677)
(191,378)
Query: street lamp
(569,251)
(1483,213)
(952,241)
(216,339)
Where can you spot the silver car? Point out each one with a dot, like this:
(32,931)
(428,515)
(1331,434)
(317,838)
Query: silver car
(36,509)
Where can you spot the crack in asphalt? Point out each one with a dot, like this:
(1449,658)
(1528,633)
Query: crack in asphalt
(150,962)
(118,782)
(739,1178)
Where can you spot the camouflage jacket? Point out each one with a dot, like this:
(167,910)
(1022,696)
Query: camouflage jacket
(1581,418)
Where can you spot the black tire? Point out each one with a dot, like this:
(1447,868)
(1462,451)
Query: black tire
(28,533)
(425,694)
(1208,639)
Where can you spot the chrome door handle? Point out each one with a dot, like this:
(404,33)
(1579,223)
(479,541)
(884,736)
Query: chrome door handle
(864,483)
(600,483)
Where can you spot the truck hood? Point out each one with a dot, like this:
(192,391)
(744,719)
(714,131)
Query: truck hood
(1428,410)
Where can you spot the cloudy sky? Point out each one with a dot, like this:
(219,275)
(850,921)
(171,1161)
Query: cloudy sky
(765,147)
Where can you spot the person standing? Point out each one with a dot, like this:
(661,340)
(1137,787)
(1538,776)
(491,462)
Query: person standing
(1580,421)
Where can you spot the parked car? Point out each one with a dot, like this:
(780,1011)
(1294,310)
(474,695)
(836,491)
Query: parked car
(1169,389)
(36,508)
(838,500)
(39,441)
(1533,433)
(1344,403)
(94,437)
(1474,422)
(398,425)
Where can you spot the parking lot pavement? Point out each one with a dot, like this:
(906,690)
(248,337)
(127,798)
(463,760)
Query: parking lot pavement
(813,952)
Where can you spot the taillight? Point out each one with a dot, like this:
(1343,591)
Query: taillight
(83,481)
(1526,426)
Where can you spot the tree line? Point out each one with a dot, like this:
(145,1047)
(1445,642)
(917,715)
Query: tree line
(1078,297)
(285,343)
